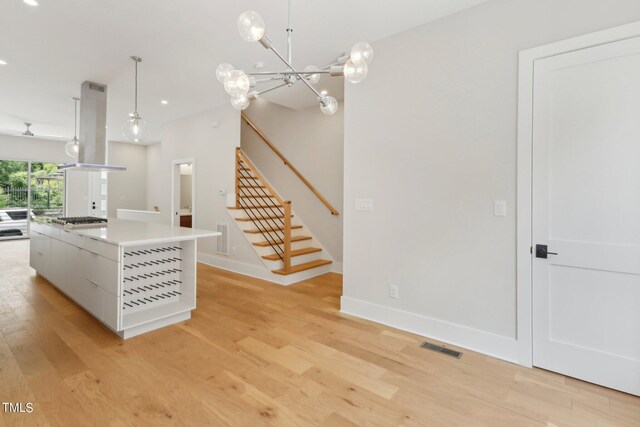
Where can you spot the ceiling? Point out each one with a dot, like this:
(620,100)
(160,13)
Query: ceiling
(52,48)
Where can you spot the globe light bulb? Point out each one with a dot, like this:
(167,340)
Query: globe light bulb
(240,102)
(328,105)
(251,26)
(72,148)
(355,71)
(312,78)
(362,51)
(237,83)
(222,71)
(135,129)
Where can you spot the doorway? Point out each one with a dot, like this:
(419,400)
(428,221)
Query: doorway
(28,190)
(183,193)
(584,209)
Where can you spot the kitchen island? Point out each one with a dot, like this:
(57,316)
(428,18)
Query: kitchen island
(132,276)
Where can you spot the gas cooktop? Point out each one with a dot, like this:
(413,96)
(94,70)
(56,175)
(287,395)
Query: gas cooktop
(79,222)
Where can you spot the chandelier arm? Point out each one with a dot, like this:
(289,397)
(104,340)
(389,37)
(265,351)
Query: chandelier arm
(270,89)
(268,80)
(313,89)
(290,72)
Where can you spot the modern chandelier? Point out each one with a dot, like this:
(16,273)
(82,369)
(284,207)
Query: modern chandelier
(72,148)
(238,84)
(135,129)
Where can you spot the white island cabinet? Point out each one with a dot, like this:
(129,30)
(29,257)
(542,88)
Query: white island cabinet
(132,276)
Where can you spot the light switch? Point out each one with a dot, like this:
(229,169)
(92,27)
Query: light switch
(364,205)
(500,208)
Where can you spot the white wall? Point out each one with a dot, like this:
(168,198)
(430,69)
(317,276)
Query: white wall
(313,143)
(214,152)
(127,189)
(433,151)
(34,149)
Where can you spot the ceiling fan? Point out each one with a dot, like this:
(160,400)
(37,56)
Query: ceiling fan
(28,133)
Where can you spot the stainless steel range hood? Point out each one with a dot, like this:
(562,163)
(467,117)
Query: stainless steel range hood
(92,156)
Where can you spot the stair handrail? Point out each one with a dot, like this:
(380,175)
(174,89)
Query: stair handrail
(286,206)
(288,163)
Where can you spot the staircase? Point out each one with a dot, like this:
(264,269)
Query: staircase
(285,245)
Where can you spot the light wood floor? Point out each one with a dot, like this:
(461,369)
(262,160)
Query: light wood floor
(260,354)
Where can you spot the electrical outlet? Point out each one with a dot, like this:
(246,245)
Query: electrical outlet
(393,291)
(222,191)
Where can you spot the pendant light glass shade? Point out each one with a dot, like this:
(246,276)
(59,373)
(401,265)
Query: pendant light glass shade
(72,148)
(222,71)
(355,71)
(329,105)
(240,102)
(251,26)
(135,129)
(312,78)
(362,51)
(237,83)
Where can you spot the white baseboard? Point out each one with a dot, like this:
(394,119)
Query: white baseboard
(497,346)
(257,271)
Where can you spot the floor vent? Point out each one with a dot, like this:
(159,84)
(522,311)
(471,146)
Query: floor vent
(223,240)
(440,349)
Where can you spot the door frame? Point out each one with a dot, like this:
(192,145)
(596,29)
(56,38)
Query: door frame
(524,221)
(175,166)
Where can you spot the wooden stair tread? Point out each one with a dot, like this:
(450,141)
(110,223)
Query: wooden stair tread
(258,218)
(303,267)
(267,230)
(265,243)
(251,186)
(297,252)
(252,196)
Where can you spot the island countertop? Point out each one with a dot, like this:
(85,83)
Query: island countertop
(131,233)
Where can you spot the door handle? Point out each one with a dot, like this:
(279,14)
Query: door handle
(542,252)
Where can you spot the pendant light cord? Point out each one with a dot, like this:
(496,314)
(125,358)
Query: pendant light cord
(75,119)
(135,109)
(289,37)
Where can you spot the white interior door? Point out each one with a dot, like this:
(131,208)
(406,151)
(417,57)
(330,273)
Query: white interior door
(586,208)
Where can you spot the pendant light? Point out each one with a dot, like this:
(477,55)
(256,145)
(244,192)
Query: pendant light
(135,129)
(238,84)
(72,148)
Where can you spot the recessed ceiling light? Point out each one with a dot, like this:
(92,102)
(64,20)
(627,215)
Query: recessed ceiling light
(3,62)
(31,2)
(164,102)
(258,65)
(323,92)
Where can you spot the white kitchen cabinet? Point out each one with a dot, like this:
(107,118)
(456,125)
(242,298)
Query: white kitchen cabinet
(132,286)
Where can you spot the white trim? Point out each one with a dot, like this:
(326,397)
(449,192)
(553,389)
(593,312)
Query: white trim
(461,336)
(527,60)
(252,270)
(259,271)
(175,164)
